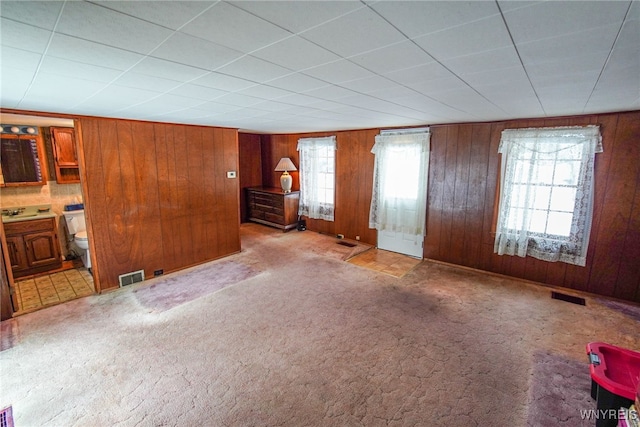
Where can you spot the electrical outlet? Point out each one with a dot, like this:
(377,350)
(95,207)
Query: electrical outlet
(340,236)
(158,273)
(357,237)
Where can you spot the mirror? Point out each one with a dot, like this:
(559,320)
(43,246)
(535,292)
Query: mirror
(21,155)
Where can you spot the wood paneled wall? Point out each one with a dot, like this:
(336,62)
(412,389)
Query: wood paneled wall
(463,176)
(157,195)
(462,192)
(354,177)
(250,173)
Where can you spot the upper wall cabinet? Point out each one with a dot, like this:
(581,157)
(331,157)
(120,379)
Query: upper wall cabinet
(65,154)
(22,156)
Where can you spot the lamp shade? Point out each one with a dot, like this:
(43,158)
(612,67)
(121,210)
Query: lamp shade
(285,164)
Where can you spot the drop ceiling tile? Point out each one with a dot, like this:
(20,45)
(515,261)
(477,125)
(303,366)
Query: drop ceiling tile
(170,14)
(116,97)
(297,16)
(19,59)
(496,59)
(369,84)
(223,82)
(512,76)
(297,82)
(144,81)
(42,14)
(393,93)
(398,56)
(433,110)
(213,107)
(238,100)
(87,52)
(509,5)
(552,19)
(162,104)
(196,52)
(338,72)
(95,23)
(586,67)
(478,36)
(419,74)
(626,51)
(254,69)
(67,90)
(416,18)
(355,33)
(272,106)
(566,46)
(330,92)
(167,70)
(264,92)
(230,26)
(295,53)
(78,70)
(23,36)
(298,99)
(197,92)
(13,86)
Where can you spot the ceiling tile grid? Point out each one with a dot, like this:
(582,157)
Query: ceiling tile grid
(283,66)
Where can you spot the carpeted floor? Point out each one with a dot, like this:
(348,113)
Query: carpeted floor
(279,336)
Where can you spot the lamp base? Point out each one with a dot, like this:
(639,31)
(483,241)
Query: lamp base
(285,182)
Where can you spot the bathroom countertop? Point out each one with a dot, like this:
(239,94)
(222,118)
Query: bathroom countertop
(27,213)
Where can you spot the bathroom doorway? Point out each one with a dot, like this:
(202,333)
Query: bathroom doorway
(37,286)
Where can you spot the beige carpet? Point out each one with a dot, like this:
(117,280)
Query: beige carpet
(301,339)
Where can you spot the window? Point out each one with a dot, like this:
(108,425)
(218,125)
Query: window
(546,193)
(317,177)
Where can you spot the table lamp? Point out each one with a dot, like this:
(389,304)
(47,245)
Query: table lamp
(285,165)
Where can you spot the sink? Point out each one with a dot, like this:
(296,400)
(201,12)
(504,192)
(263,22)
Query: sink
(22,215)
(26,213)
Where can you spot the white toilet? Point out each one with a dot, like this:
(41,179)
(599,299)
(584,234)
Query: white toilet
(78,229)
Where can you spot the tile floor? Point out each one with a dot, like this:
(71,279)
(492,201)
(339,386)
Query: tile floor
(50,289)
(392,263)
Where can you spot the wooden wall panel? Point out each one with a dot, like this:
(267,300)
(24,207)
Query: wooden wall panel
(354,177)
(157,195)
(250,172)
(615,238)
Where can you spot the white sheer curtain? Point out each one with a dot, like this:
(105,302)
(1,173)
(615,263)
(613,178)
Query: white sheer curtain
(400,176)
(546,193)
(317,177)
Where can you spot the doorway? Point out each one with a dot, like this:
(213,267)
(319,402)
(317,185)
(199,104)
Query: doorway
(399,200)
(40,284)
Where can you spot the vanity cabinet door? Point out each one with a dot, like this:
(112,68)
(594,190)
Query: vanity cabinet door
(17,253)
(41,248)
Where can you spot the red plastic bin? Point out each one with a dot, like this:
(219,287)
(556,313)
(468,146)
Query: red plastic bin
(615,374)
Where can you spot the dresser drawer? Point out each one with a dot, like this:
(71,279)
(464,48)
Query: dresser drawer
(268,199)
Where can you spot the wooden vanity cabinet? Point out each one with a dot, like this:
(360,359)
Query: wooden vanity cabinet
(33,246)
(65,155)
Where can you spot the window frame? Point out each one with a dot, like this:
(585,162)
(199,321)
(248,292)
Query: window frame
(571,248)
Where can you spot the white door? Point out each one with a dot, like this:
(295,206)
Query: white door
(408,244)
(399,201)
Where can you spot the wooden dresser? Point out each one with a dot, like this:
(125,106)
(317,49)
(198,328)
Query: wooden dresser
(270,206)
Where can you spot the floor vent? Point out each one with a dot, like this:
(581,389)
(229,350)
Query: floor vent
(568,298)
(131,278)
(350,245)
(6,417)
